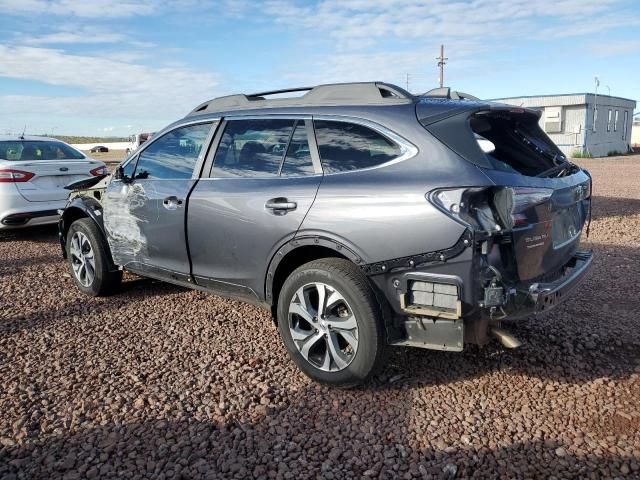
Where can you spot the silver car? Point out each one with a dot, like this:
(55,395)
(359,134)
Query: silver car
(33,174)
(360,215)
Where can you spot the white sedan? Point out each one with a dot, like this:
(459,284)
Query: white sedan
(33,173)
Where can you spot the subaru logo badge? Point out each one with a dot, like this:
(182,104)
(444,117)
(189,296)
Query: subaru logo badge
(63,169)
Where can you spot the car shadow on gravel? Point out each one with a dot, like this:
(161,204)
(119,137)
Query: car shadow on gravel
(10,266)
(300,441)
(40,234)
(86,307)
(614,206)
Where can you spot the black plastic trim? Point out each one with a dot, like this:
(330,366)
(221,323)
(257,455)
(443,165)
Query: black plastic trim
(414,261)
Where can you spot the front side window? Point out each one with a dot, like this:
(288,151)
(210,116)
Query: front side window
(174,155)
(37,150)
(347,146)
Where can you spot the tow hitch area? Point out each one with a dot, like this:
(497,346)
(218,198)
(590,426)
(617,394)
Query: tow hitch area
(505,338)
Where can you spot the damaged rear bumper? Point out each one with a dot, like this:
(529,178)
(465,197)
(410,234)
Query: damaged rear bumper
(545,296)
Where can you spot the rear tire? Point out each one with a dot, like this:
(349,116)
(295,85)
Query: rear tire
(341,340)
(89,263)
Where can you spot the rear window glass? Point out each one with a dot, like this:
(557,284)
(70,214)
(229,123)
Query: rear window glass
(514,142)
(37,150)
(347,146)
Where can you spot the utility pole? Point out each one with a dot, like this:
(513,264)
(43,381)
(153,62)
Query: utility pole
(442,61)
(407,89)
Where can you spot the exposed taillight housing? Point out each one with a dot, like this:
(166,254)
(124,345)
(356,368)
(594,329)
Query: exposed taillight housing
(101,170)
(515,205)
(492,209)
(469,206)
(15,176)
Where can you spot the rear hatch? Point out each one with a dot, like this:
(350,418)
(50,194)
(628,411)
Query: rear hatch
(540,198)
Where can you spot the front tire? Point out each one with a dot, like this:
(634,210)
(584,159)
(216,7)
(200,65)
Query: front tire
(89,263)
(331,323)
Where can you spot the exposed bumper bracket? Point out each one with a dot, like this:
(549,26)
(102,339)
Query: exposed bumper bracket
(547,295)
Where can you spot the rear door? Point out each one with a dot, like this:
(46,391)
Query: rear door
(263,181)
(144,215)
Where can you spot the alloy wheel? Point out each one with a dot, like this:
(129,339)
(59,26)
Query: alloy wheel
(323,327)
(82,259)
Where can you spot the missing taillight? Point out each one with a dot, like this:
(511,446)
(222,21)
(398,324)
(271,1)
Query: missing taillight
(467,205)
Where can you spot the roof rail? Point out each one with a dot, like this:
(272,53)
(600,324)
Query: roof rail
(278,92)
(446,92)
(364,93)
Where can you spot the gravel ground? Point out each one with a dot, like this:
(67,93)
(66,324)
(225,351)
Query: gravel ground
(162,382)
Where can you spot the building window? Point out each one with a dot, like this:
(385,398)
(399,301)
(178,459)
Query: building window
(609,121)
(615,122)
(595,119)
(624,125)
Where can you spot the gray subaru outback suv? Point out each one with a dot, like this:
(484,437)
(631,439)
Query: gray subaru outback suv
(361,215)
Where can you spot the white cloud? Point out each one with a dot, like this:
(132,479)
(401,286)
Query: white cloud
(361,23)
(80,8)
(74,37)
(108,88)
(612,49)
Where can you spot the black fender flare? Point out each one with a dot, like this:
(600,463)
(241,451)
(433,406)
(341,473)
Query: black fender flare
(81,206)
(305,241)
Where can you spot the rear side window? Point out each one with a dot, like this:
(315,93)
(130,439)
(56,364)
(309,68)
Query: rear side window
(37,150)
(347,146)
(174,155)
(252,148)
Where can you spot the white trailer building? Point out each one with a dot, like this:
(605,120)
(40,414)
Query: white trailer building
(583,122)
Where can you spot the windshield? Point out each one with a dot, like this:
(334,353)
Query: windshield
(37,150)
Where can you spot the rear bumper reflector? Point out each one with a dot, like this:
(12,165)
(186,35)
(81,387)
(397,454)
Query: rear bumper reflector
(16,219)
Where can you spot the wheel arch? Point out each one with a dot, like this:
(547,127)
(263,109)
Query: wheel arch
(80,207)
(299,251)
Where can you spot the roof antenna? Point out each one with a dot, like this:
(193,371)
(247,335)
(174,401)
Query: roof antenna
(23,132)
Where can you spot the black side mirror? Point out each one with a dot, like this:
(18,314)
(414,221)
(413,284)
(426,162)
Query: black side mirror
(120,175)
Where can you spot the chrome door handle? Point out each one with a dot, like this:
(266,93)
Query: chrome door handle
(280,204)
(172,202)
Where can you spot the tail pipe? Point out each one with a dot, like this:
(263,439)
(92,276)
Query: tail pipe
(505,338)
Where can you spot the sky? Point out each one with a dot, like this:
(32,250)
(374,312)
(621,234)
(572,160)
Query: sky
(116,67)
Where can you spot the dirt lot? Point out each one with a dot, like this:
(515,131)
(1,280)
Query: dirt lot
(163,382)
(110,158)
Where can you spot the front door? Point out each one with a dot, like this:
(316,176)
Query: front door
(144,213)
(263,181)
